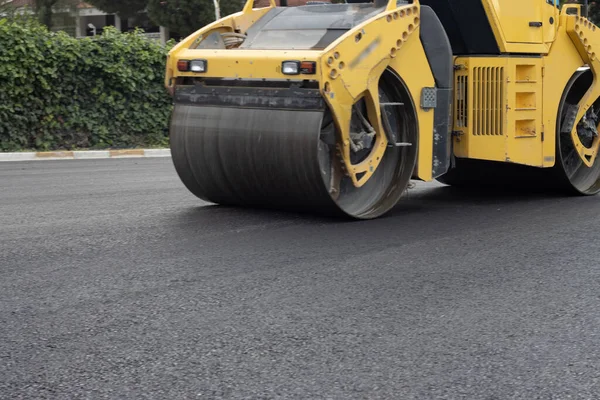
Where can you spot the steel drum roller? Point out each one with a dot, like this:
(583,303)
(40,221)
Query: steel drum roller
(266,151)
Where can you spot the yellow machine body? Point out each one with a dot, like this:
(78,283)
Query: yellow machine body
(341,82)
(505,101)
(512,111)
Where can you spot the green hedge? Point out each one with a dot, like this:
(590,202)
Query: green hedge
(59,92)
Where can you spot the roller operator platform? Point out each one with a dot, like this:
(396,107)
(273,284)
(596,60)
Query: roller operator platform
(335,108)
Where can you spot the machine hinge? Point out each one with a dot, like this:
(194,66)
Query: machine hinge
(456,134)
(542,132)
(459,67)
(543,71)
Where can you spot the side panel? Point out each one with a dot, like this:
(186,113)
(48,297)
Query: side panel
(525,129)
(521,26)
(417,75)
(474,137)
(498,109)
(520,20)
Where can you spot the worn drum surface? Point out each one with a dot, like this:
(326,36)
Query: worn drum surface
(251,157)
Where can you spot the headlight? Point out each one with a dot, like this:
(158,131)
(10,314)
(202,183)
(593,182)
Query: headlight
(290,67)
(297,67)
(198,66)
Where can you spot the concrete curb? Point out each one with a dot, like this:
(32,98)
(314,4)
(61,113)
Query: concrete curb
(85,154)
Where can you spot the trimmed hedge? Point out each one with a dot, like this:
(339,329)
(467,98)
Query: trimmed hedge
(58,92)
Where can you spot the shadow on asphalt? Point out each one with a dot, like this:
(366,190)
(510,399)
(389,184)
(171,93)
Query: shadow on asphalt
(417,202)
(450,194)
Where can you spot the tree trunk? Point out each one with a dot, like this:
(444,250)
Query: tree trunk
(217,10)
(47,16)
(44,11)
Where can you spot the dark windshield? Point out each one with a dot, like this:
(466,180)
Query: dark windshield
(306,27)
(316,39)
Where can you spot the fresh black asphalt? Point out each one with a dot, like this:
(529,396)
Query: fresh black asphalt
(116,283)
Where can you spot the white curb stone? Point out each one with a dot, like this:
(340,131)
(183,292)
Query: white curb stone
(158,153)
(17,156)
(84,155)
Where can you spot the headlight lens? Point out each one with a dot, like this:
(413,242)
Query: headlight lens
(290,67)
(198,66)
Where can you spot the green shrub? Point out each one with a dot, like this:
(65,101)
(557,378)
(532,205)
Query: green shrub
(59,92)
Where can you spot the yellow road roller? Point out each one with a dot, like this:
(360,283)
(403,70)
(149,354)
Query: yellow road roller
(335,108)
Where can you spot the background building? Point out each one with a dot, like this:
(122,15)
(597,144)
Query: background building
(81,19)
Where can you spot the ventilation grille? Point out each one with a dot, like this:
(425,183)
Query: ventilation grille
(461,103)
(488,97)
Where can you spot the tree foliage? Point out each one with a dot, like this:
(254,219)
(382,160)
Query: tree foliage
(187,16)
(181,16)
(122,8)
(59,92)
(593,9)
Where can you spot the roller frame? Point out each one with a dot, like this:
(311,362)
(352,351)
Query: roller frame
(586,38)
(346,81)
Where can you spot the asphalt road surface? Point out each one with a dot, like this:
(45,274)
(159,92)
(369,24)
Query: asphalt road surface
(117,283)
